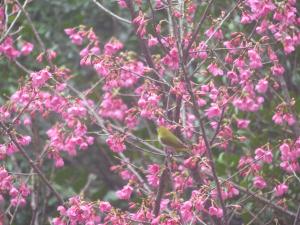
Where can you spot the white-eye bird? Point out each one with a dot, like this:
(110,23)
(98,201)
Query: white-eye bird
(168,139)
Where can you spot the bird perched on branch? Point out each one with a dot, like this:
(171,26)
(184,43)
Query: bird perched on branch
(168,139)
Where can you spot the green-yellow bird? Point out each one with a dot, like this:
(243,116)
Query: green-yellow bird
(168,139)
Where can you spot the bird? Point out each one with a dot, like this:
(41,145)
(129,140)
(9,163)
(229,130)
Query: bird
(168,139)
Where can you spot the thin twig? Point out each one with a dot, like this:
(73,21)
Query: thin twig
(12,23)
(111,13)
(196,32)
(36,34)
(297,216)
(265,201)
(218,127)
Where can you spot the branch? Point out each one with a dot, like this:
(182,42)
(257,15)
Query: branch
(207,144)
(265,201)
(160,192)
(254,195)
(12,23)
(111,13)
(218,127)
(194,35)
(297,216)
(32,164)
(36,34)
(288,100)
(131,168)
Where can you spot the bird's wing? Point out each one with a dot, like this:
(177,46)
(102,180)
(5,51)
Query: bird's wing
(172,142)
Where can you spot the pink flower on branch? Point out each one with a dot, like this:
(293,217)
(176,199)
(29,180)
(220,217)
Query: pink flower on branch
(27,48)
(281,189)
(125,192)
(259,182)
(116,143)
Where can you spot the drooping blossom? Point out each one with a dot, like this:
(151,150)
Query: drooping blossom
(264,155)
(27,48)
(259,182)
(215,211)
(281,189)
(262,86)
(242,123)
(254,59)
(125,192)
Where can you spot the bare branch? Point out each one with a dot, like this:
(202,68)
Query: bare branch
(111,13)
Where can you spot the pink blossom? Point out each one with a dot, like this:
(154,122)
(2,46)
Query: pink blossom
(246,18)
(281,189)
(69,31)
(261,154)
(58,221)
(18,201)
(200,147)
(262,86)
(289,118)
(213,111)
(126,175)
(152,41)
(112,107)
(27,121)
(116,143)
(122,3)
(288,45)
(259,182)
(200,51)
(13,192)
(242,123)
(215,70)
(277,118)
(171,59)
(141,24)
(104,206)
(76,39)
(125,193)
(158,4)
(112,47)
(40,78)
(233,77)
(263,27)
(284,149)
(186,211)
(277,69)
(58,162)
(130,73)
(218,34)
(27,48)
(102,68)
(24,140)
(153,175)
(51,54)
(254,59)
(232,192)
(190,162)
(239,62)
(11,149)
(8,49)
(215,211)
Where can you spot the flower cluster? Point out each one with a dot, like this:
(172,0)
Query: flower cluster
(17,193)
